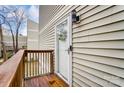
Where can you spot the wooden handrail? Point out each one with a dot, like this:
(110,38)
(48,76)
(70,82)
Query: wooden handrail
(39,50)
(11,71)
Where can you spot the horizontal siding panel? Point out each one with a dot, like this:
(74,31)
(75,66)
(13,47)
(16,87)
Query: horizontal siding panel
(44,35)
(108,28)
(92,15)
(118,35)
(46,13)
(75,84)
(49,40)
(102,44)
(103,60)
(80,7)
(111,10)
(87,81)
(43,31)
(80,83)
(105,76)
(101,67)
(48,36)
(105,21)
(101,52)
(59,7)
(94,78)
(97,10)
(51,32)
(48,43)
(86,9)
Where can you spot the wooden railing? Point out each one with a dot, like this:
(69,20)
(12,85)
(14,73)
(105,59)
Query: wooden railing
(38,62)
(25,64)
(11,71)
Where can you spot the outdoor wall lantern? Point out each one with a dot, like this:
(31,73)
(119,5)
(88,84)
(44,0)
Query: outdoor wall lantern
(75,18)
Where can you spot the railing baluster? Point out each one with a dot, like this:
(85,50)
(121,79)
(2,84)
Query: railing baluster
(51,62)
(30,64)
(46,62)
(33,63)
(27,65)
(38,64)
(43,62)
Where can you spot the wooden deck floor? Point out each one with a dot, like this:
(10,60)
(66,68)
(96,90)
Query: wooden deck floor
(45,81)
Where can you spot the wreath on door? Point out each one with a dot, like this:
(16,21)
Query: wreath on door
(62,35)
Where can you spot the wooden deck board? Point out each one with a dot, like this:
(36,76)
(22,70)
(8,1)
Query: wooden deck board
(43,81)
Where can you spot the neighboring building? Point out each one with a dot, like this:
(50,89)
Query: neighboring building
(7,39)
(97,58)
(22,42)
(32,35)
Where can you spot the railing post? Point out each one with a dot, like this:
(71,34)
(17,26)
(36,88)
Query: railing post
(51,61)
(23,69)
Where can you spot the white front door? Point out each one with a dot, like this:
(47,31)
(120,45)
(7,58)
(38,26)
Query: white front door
(63,48)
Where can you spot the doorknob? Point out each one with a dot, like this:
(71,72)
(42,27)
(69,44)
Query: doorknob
(70,48)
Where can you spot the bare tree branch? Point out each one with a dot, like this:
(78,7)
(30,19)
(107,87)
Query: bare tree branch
(14,18)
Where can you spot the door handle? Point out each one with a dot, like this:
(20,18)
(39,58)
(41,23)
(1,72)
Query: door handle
(69,49)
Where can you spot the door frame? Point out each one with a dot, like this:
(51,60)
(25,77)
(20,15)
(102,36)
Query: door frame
(69,18)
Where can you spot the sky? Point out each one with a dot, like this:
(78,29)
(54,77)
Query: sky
(32,12)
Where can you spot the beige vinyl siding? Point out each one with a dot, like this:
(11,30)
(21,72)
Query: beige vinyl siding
(49,11)
(47,33)
(98,43)
(98,46)
(47,39)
